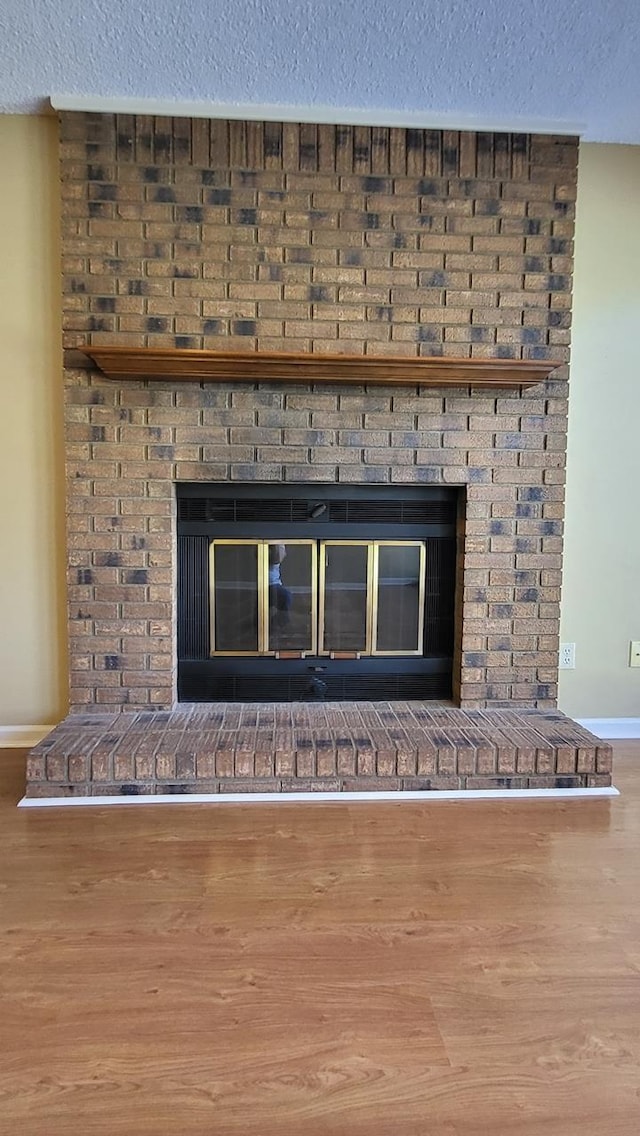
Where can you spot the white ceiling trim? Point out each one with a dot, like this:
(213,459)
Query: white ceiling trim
(316,113)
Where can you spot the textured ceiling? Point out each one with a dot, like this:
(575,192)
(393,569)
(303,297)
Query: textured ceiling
(491,60)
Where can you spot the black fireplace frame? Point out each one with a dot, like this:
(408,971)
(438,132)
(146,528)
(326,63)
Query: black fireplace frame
(206,511)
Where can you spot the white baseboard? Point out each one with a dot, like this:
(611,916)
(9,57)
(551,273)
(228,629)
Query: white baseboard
(608,728)
(22,737)
(318,798)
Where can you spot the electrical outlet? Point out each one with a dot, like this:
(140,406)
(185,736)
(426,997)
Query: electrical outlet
(568,657)
(634,653)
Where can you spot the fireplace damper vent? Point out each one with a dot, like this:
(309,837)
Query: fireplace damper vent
(291,509)
(367,586)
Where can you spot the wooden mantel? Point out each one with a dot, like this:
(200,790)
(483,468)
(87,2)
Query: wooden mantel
(173,364)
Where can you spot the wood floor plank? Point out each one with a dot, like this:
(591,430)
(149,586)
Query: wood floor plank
(465,969)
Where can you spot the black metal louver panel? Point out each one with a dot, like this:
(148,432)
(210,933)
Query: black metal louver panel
(428,512)
(439,596)
(397,512)
(242,510)
(205,509)
(296,688)
(272,510)
(193,597)
(291,510)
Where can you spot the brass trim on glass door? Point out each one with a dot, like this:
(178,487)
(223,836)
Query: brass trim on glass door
(263,596)
(372,598)
(421,597)
(322,564)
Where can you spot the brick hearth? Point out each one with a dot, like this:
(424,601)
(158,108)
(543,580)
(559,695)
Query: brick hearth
(286,747)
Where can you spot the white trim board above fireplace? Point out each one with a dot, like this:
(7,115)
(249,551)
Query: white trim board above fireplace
(314,113)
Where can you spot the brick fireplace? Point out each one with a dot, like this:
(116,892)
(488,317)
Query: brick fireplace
(258,237)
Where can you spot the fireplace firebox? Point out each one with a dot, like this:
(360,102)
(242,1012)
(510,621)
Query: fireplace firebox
(315,592)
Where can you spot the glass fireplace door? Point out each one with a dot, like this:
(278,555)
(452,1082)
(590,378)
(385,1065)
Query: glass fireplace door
(346,599)
(346,596)
(398,597)
(263,597)
(236,600)
(372,597)
(291,597)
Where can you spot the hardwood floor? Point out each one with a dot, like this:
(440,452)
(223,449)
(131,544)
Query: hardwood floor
(465,969)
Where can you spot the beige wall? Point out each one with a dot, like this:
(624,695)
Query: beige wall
(32,633)
(601,589)
(601,598)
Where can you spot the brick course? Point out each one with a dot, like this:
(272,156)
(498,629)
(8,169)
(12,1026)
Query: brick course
(267,236)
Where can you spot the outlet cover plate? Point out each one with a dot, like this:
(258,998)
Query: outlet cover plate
(567,660)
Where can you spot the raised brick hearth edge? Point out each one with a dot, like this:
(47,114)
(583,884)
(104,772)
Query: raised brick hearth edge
(301,747)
